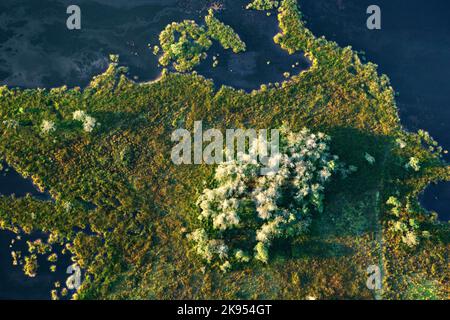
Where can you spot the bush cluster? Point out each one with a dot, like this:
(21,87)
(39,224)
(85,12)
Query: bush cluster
(263,4)
(248,211)
(186,43)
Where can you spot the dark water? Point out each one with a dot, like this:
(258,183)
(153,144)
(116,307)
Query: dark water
(37,50)
(436,198)
(12,183)
(263,62)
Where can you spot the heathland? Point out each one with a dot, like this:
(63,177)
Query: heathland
(124,210)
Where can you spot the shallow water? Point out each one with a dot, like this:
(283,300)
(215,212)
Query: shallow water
(36,50)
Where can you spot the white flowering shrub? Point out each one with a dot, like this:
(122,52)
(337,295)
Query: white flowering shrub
(402,144)
(47,126)
(89,123)
(247,211)
(79,115)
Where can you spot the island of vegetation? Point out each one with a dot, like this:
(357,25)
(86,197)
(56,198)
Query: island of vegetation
(346,196)
(186,43)
(263,4)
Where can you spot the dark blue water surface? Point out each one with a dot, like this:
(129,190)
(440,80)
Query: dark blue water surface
(436,198)
(37,50)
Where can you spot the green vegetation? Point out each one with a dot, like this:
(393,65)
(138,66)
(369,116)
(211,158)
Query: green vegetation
(124,210)
(31,265)
(226,36)
(186,43)
(263,4)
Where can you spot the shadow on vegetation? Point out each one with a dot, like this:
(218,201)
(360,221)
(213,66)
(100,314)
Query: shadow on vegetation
(285,250)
